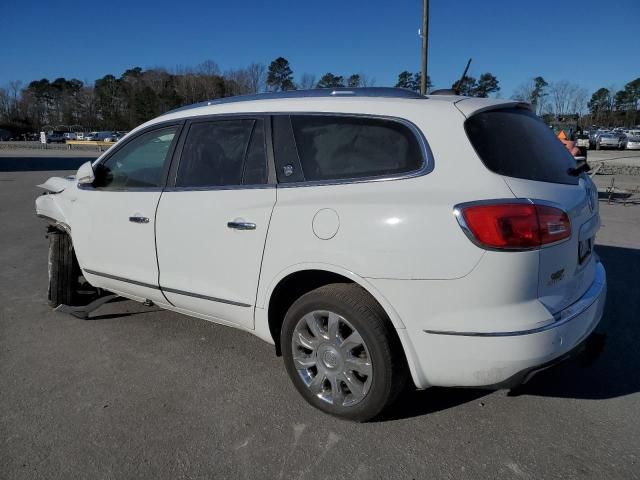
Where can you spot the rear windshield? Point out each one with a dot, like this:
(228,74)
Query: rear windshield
(514,142)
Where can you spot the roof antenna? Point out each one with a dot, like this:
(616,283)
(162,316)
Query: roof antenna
(455,89)
(458,84)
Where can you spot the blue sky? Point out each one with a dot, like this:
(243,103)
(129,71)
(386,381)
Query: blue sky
(515,39)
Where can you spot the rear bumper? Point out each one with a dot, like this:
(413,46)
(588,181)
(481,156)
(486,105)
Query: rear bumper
(503,359)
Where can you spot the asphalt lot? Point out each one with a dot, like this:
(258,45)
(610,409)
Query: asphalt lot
(139,393)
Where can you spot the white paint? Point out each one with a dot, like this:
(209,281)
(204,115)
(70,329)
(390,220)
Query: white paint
(326,224)
(398,239)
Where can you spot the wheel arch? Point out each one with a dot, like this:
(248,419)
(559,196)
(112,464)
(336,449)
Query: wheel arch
(295,281)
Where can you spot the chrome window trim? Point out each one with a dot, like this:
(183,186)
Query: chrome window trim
(427,166)
(428,162)
(593,294)
(220,187)
(178,123)
(82,186)
(457,213)
(189,121)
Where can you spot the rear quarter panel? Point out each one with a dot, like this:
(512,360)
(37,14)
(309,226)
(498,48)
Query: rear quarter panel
(393,229)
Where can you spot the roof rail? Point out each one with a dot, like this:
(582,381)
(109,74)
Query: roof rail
(381,92)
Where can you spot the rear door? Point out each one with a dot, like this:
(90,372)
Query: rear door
(513,142)
(211,225)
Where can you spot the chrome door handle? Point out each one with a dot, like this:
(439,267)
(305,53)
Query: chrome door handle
(240,225)
(139,219)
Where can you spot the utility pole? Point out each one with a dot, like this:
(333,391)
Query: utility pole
(425,35)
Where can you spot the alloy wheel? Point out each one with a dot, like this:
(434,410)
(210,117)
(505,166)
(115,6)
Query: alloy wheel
(331,358)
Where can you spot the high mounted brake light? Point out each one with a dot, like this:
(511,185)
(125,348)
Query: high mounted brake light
(513,226)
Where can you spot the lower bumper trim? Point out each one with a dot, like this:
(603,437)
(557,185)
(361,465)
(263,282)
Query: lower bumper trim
(565,316)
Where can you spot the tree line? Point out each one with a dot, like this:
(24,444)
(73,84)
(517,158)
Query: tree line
(137,95)
(606,106)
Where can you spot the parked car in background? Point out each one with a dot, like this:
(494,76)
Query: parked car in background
(633,133)
(622,136)
(594,135)
(114,136)
(632,142)
(104,136)
(4,135)
(56,137)
(608,140)
(338,226)
(70,136)
(582,142)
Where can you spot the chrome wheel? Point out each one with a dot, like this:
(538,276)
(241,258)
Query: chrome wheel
(331,358)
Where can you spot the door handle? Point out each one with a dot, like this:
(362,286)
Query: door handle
(137,219)
(241,225)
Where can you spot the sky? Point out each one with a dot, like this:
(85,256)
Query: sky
(592,43)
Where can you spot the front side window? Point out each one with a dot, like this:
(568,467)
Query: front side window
(334,147)
(139,164)
(223,153)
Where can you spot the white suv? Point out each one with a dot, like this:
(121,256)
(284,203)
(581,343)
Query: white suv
(370,234)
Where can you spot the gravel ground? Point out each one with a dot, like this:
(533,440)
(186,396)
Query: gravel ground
(139,393)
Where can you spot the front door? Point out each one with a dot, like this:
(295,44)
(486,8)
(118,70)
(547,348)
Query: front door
(113,229)
(212,225)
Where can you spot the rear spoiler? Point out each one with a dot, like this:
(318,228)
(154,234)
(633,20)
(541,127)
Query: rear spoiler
(470,105)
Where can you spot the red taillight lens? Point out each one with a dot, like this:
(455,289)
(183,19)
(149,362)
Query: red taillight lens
(554,224)
(515,226)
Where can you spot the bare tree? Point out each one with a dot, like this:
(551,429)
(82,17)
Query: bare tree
(237,81)
(5,105)
(561,93)
(366,81)
(307,81)
(534,92)
(579,100)
(256,77)
(524,92)
(208,68)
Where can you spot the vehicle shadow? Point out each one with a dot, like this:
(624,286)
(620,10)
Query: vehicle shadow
(111,316)
(414,403)
(607,368)
(41,164)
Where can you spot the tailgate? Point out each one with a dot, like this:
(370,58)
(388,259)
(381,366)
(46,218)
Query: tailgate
(513,142)
(567,269)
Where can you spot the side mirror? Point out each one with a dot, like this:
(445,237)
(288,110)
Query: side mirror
(85,173)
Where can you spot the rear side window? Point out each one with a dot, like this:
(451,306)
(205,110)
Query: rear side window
(223,153)
(342,147)
(514,142)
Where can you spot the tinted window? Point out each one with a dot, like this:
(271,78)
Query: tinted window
(214,154)
(255,165)
(341,147)
(516,143)
(138,164)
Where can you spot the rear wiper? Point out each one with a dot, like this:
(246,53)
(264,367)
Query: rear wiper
(582,166)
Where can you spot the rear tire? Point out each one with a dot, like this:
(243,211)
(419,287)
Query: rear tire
(62,279)
(354,370)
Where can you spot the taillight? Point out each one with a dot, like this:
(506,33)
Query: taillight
(513,226)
